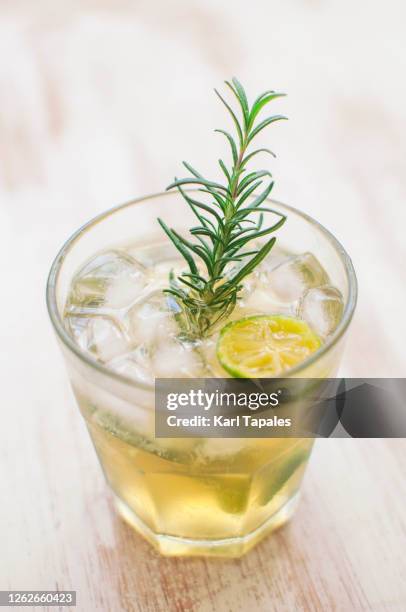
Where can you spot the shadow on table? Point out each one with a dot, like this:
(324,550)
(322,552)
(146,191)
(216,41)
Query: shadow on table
(149,582)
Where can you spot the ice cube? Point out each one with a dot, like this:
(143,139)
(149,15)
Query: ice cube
(173,359)
(208,351)
(274,259)
(111,279)
(100,335)
(162,270)
(260,300)
(108,339)
(322,307)
(136,365)
(78,328)
(219,448)
(289,280)
(153,318)
(167,359)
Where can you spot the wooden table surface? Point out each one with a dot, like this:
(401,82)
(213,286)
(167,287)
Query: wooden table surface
(99,102)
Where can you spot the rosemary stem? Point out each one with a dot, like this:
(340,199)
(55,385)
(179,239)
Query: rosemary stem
(224,234)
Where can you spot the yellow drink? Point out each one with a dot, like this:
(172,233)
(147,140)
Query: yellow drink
(184,492)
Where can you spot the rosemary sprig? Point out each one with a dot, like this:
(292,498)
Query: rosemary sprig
(216,254)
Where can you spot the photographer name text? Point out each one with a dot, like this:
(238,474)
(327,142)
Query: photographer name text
(218,421)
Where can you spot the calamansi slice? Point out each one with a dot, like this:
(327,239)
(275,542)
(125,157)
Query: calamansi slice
(264,346)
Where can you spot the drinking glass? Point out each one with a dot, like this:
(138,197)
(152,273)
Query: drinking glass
(190,496)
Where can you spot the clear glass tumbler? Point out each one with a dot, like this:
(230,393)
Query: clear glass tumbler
(190,496)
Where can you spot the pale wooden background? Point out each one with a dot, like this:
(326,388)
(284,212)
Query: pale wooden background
(100,100)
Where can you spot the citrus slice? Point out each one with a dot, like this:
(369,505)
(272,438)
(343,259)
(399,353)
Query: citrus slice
(264,346)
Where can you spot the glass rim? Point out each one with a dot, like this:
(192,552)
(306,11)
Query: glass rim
(92,362)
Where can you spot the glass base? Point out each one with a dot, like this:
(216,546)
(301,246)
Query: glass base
(173,546)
